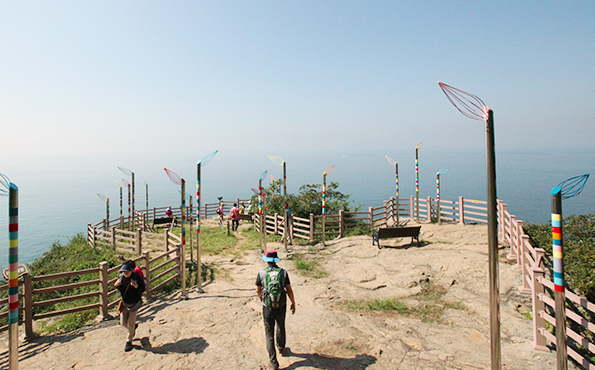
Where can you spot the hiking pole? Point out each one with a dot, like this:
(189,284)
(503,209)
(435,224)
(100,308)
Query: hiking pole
(9,189)
(473,107)
(394,163)
(203,162)
(566,189)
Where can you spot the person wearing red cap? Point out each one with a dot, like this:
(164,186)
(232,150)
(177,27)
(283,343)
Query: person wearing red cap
(273,287)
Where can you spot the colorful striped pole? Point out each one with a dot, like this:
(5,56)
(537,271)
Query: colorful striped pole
(561,353)
(121,212)
(438,192)
(328,171)
(393,162)
(106,200)
(417,182)
(280,162)
(183,252)
(146,198)
(203,162)
(129,173)
(13,275)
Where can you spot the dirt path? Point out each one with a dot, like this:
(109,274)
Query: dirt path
(443,283)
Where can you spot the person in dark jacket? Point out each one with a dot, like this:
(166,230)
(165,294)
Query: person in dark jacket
(131,287)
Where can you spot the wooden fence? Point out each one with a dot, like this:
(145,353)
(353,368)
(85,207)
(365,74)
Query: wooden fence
(537,279)
(40,291)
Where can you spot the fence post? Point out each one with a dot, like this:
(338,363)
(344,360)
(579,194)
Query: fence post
(154,214)
(182,268)
(167,239)
(525,287)
(392,207)
(104,225)
(103,290)
(500,204)
(113,236)
(147,256)
(412,207)
(461,211)
(371,220)
(429,209)
(341,223)
(385,213)
(311,227)
(139,240)
(228,228)
(539,340)
(28,303)
(94,236)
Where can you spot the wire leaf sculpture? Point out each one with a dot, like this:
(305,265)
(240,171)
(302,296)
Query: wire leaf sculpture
(4,185)
(278,161)
(207,158)
(390,160)
(468,104)
(573,186)
(255,191)
(125,170)
(262,175)
(418,146)
(118,184)
(102,197)
(173,177)
(126,183)
(442,171)
(329,170)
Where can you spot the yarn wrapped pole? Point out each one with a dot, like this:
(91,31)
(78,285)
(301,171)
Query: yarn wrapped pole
(106,200)
(280,162)
(146,197)
(566,189)
(180,181)
(129,173)
(203,162)
(127,184)
(442,171)
(327,172)
(473,107)
(121,212)
(9,189)
(395,211)
(261,212)
(417,182)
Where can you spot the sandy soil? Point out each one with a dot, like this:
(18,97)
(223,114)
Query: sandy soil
(222,328)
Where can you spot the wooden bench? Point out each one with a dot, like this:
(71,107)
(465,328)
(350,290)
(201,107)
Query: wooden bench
(396,232)
(165,221)
(245,216)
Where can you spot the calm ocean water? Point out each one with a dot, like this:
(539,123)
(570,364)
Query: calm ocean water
(58,196)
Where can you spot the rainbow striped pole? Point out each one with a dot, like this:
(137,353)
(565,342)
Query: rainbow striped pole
(286,224)
(121,212)
(183,252)
(260,196)
(106,200)
(417,181)
(13,275)
(561,353)
(397,190)
(147,197)
(438,191)
(203,162)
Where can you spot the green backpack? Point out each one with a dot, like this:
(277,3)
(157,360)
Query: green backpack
(274,287)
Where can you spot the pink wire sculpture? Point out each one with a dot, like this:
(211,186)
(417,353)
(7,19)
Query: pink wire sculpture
(173,177)
(468,104)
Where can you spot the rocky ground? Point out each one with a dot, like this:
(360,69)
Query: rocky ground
(442,323)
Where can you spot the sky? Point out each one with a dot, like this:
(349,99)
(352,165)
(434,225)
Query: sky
(110,77)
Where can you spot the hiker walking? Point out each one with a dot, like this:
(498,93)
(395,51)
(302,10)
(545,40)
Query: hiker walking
(273,288)
(234,214)
(131,286)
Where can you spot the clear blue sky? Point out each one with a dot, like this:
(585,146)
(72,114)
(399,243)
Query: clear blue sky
(92,77)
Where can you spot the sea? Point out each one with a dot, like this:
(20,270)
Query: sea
(58,195)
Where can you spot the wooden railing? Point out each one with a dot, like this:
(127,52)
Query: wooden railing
(158,271)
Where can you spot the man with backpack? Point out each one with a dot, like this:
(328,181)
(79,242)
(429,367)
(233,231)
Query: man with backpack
(273,288)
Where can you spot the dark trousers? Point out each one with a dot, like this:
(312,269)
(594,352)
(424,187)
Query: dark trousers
(272,316)
(235,224)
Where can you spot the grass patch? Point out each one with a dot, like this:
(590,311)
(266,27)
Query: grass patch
(309,268)
(215,241)
(430,308)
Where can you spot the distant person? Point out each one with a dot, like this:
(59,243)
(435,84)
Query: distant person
(234,214)
(220,213)
(131,287)
(289,227)
(242,208)
(168,212)
(273,287)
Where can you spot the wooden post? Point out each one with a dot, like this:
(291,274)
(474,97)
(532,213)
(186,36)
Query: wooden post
(276,223)
(182,267)
(461,211)
(89,234)
(392,203)
(113,236)
(28,306)
(501,218)
(139,240)
(94,236)
(103,290)
(371,220)
(167,239)
(412,207)
(341,223)
(386,213)
(147,256)
(154,214)
(429,209)
(525,239)
(311,227)
(539,340)
(228,233)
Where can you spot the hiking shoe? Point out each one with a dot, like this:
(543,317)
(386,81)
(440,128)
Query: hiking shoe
(281,352)
(128,347)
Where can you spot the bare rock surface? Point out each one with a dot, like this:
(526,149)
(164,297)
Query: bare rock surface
(223,329)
